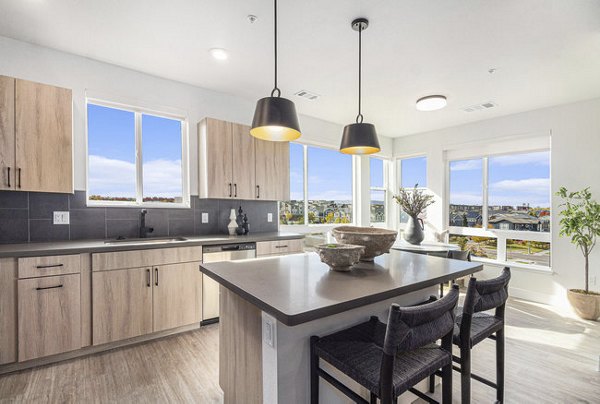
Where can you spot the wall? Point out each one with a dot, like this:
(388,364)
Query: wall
(27,217)
(575,164)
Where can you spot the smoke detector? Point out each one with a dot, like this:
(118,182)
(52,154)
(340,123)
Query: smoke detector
(307,94)
(480,107)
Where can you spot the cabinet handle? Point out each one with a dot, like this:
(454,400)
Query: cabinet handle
(8,177)
(50,287)
(258,192)
(281,246)
(148,277)
(156,276)
(19,177)
(235,190)
(230,190)
(49,266)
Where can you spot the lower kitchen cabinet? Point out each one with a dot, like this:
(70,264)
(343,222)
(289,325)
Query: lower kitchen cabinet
(177,295)
(121,304)
(49,316)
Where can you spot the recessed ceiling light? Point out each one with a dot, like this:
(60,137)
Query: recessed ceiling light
(431,103)
(219,53)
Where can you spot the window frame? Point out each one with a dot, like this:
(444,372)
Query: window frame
(311,227)
(398,171)
(384,188)
(501,235)
(138,112)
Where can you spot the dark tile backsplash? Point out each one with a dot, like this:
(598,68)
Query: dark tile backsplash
(28,217)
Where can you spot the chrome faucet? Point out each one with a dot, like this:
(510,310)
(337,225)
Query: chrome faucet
(143,229)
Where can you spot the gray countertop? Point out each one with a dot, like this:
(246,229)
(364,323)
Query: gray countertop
(299,288)
(82,246)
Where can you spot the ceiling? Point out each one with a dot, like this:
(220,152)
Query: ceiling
(545,52)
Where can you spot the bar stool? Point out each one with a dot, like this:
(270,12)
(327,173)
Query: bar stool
(474,326)
(390,359)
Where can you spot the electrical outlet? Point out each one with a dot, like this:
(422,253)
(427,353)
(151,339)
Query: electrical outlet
(269,217)
(269,331)
(204,217)
(61,218)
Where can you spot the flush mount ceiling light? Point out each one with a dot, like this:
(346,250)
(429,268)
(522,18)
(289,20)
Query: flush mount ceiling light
(275,117)
(431,103)
(218,53)
(359,137)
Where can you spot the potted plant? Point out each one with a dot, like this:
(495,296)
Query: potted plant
(413,202)
(580,220)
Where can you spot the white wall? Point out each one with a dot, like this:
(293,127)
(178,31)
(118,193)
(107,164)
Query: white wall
(575,164)
(32,62)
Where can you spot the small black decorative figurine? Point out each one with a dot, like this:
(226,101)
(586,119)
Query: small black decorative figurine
(240,222)
(246,225)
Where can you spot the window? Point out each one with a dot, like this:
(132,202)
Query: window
(501,205)
(134,157)
(326,175)
(412,172)
(378,190)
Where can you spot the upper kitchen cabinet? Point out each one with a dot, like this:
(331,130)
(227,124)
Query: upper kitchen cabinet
(43,138)
(7,132)
(36,137)
(235,165)
(272,170)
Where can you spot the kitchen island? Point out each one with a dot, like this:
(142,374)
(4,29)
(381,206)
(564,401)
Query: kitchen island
(271,306)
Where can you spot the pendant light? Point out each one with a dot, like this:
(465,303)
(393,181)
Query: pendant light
(359,137)
(275,117)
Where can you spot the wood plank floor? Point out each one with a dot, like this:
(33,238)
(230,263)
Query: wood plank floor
(552,357)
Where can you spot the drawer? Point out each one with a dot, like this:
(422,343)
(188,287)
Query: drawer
(279,247)
(266,248)
(291,246)
(144,258)
(33,267)
(49,316)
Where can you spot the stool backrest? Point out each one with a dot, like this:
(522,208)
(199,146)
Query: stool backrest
(487,294)
(459,255)
(413,327)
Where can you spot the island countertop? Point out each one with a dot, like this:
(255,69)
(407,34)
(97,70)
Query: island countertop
(299,288)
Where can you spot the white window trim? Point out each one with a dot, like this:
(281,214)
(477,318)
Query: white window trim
(322,227)
(138,111)
(386,192)
(398,170)
(529,145)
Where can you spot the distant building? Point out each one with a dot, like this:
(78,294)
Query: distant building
(515,221)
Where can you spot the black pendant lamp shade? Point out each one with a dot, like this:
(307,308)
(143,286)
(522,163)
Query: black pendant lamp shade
(275,118)
(359,137)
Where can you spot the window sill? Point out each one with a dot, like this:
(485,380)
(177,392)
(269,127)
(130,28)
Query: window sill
(138,206)
(526,267)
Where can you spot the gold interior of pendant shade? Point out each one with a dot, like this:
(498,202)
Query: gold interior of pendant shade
(360,150)
(275,133)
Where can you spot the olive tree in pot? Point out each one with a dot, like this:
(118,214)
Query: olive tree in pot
(413,202)
(580,220)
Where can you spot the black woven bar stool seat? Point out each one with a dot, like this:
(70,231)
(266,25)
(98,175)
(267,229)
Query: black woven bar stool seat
(482,326)
(357,352)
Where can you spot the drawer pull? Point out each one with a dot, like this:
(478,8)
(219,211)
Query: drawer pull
(49,266)
(8,176)
(281,246)
(49,287)
(19,183)
(148,277)
(156,275)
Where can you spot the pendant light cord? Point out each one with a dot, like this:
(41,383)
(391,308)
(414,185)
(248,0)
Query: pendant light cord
(275,88)
(359,117)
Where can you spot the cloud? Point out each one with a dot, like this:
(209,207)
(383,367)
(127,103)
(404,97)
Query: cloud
(532,191)
(465,165)
(531,185)
(537,158)
(465,198)
(112,177)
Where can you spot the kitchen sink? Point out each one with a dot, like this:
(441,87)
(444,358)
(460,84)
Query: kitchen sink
(137,241)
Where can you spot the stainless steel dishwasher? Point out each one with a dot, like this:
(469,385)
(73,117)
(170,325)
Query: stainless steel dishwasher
(210,288)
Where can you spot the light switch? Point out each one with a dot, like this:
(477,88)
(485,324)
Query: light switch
(204,217)
(61,218)
(269,217)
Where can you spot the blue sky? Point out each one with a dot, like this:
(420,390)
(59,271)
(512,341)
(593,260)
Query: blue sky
(111,145)
(513,180)
(413,171)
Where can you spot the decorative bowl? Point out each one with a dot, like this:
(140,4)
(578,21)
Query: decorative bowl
(376,241)
(340,257)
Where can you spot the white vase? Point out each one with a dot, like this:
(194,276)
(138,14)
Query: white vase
(232,223)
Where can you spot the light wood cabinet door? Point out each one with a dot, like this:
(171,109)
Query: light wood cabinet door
(177,295)
(244,170)
(7,133)
(121,304)
(215,159)
(49,316)
(8,310)
(272,170)
(44,137)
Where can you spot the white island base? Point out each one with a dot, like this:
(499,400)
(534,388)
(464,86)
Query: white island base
(264,361)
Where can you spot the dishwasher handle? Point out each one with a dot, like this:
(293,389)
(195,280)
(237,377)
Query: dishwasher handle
(230,248)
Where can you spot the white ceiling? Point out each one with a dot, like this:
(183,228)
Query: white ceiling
(546,52)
